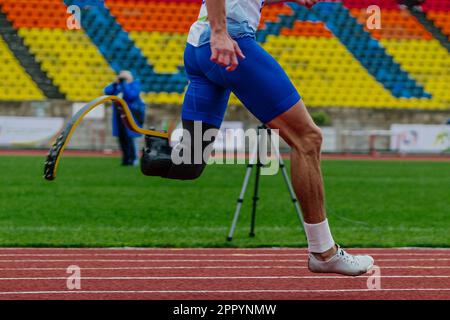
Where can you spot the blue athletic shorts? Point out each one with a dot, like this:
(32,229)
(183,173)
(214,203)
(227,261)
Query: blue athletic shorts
(259,82)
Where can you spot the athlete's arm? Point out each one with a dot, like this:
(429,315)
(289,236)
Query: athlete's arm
(306,3)
(224,50)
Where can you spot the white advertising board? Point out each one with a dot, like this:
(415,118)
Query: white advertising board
(97,113)
(28,131)
(329,143)
(420,138)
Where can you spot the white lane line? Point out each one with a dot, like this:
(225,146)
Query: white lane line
(222,249)
(221,291)
(151,260)
(197,260)
(155,255)
(225,277)
(211,248)
(198,254)
(203,267)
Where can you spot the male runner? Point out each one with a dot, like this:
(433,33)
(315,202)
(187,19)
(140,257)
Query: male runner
(221,57)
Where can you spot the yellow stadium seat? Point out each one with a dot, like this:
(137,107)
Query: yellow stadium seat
(71,60)
(17,87)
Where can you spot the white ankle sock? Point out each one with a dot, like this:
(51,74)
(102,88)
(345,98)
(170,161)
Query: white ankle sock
(319,237)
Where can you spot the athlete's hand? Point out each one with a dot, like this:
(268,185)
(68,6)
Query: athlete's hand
(306,3)
(225,51)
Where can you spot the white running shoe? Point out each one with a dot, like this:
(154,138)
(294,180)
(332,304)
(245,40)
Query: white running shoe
(342,263)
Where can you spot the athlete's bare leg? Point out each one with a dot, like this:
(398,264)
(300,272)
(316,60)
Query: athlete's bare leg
(298,129)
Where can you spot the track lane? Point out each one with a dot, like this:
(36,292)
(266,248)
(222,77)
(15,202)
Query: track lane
(280,273)
(217,271)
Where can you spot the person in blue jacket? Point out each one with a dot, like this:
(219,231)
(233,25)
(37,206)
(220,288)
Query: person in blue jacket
(127,88)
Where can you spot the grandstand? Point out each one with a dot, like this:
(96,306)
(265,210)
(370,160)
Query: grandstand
(333,59)
(437,11)
(362,77)
(16,84)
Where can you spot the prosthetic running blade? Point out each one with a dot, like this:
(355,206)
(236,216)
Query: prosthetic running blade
(56,151)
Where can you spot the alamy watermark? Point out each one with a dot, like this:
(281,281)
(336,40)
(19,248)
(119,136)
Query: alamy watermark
(73,22)
(205,151)
(373,21)
(374,279)
(73,281)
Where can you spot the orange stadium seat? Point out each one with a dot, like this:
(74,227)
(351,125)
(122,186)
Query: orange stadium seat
(324,70)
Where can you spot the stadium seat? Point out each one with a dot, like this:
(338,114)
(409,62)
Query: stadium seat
(330,54)
(438,12)
(416,50)
(68,56)
(16,84)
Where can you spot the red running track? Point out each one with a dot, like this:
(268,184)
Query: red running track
(279,273)
(329,156)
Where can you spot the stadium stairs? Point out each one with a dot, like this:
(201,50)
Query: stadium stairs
(367,50)
(27,59)
(430,26)
(121,52)
(359,42)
